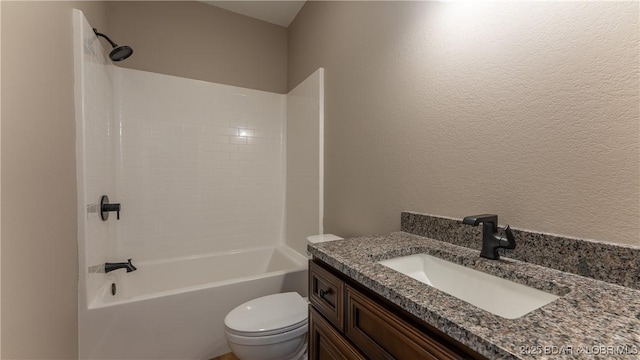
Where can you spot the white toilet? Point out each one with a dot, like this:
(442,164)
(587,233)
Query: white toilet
(272,327)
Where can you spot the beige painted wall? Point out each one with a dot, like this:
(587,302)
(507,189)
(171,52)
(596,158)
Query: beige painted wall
(526,109)
(39,246)
(199,41)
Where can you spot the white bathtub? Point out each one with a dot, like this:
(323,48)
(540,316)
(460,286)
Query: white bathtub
(174,309)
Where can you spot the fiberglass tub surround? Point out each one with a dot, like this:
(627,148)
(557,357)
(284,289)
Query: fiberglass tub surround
(198,171)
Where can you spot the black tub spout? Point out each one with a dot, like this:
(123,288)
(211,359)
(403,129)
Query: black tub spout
(108,267)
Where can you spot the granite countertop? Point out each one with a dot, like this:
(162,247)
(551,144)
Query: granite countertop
(591,319)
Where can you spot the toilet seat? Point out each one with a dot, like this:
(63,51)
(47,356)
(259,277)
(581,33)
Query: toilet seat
(257,340)
(268,315)
(267,333)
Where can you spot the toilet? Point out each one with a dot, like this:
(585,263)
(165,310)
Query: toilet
(272,327)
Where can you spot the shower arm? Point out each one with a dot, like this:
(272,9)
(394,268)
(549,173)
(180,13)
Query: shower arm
(114,45)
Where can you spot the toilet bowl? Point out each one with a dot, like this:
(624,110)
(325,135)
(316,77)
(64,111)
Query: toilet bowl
(272,327)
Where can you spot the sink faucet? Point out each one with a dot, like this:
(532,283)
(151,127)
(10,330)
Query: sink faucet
(491,240)
(108,267)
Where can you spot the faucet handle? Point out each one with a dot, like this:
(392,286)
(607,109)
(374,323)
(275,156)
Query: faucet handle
(509,233)
(511,240)
(106,207)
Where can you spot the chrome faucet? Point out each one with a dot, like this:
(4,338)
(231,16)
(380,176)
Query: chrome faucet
(108,267)
(491,240)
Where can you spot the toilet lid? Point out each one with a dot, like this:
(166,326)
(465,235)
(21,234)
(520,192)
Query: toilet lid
(268,314)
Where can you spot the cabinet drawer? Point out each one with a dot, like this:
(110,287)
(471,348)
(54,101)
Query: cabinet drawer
(379,334)
(327,294)
(325,343)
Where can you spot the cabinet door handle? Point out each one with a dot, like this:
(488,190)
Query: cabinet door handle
(323,292)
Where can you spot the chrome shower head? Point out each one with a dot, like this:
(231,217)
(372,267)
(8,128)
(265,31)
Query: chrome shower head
(119,52)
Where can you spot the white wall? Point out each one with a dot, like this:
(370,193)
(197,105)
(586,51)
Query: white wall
(200,166)
(305,138)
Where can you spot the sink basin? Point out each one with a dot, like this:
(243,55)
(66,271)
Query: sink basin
(498,296)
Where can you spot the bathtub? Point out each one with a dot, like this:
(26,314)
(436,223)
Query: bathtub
(175,309)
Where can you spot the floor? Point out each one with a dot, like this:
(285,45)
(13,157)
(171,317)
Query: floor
(228,356)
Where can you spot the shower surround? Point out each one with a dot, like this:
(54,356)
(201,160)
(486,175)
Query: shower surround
(197,161)
(200,171)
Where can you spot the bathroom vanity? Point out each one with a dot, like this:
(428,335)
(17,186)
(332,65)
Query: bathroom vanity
(348,322)
(361,309)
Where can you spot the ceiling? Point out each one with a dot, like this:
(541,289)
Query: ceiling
(276,12)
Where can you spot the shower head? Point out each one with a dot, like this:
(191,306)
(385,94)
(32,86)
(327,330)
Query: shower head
(118,53)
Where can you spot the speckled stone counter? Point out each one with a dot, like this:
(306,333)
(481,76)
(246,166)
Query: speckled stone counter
(591,319)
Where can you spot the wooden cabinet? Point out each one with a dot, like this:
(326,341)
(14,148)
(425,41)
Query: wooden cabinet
(348,321)
(326,293)
(325,343)
(380,334)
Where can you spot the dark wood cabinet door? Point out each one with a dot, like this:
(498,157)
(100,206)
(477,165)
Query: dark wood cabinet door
(379,334)
(326,293)
(325,343)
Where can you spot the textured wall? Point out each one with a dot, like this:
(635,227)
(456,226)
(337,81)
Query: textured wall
(199,41)
(526,109)
(39,247)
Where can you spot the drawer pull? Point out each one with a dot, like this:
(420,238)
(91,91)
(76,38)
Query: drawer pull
(323,292)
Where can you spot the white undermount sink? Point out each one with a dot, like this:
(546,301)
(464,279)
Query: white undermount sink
(498,296)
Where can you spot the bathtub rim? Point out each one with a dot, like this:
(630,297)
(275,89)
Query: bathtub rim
(290,252)
(300,261)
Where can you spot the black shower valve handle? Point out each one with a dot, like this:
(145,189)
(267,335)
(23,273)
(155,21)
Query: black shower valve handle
(106,207)
(112,207)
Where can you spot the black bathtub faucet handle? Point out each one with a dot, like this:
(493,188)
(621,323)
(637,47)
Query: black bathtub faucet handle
(106,207)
